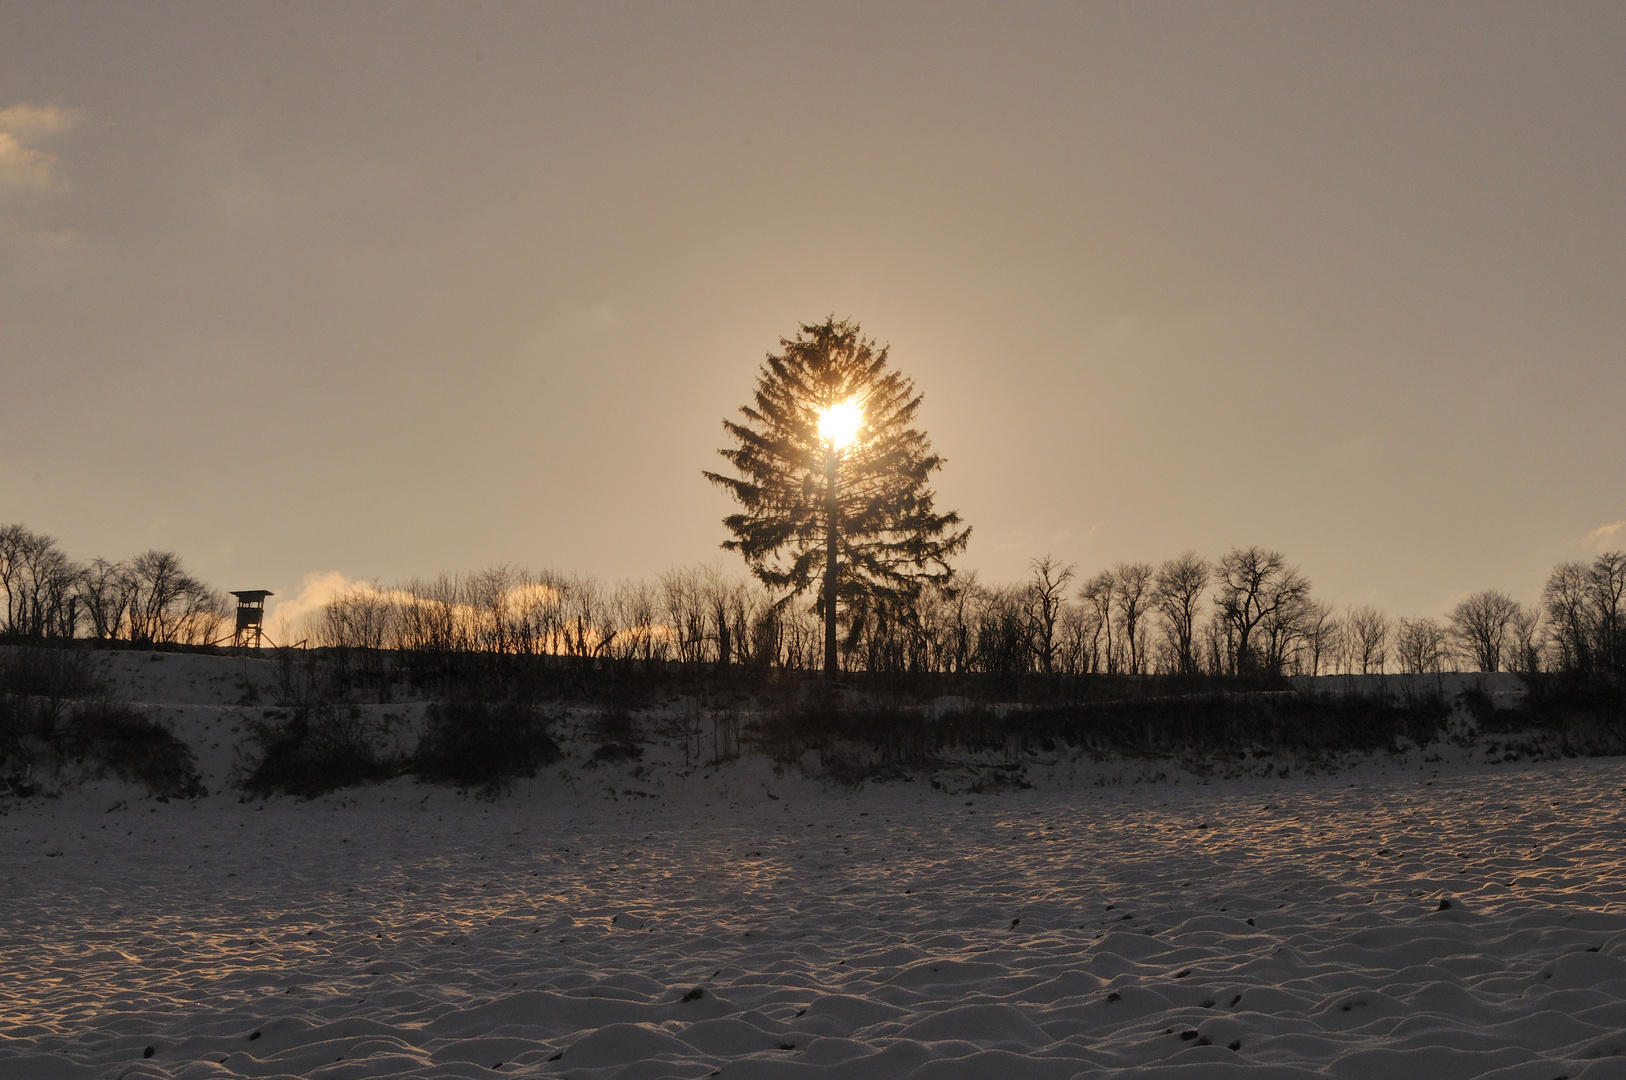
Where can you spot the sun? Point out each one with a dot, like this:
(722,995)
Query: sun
(839,423)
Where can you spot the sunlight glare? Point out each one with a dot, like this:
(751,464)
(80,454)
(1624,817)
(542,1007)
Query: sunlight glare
(838,424)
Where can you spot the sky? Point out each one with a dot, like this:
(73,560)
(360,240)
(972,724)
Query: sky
(374,291)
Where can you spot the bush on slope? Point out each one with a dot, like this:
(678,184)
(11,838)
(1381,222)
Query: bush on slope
(54,709)
(484,744)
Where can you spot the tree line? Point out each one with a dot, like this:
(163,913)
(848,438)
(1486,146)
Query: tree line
(146,600)
(1249,614)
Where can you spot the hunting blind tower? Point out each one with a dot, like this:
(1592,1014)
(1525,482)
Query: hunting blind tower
(250,616)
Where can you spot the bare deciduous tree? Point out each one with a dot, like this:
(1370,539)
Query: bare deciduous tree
(636,604)
(1047,595)
(1077,633)
(106,590)
(40,583)
(930,629)
(1282,635)
(1586,614)
(685,613)
(1606,589)
(1218,643)
(1479,628)
(1181,582)
(1528,634)
(1566,599)
(13,539)
(964,598)
(1003,646)
(170,606)
(1323,635)
(1135,590)
(1420,646)
(585,633)
(728,612)
(360,618)
(1368,630)
(1257,589)
(1100,595)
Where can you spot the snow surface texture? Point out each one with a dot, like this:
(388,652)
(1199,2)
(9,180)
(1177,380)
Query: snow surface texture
(648,919)
(765,928)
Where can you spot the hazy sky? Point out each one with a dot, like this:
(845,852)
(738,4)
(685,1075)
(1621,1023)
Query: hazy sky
(391,289)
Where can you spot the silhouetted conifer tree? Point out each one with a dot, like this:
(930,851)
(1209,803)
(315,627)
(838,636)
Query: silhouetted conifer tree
(807,506)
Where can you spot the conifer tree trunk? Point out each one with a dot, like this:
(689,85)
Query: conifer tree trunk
(832,512)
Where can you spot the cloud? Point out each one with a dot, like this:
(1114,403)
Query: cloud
(1605,534)
(292,618)
(297,618)
(22,167)
(37,121)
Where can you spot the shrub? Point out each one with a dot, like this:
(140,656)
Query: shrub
(484,744)
(15,762)
(1587,711)
(618,736)
(136,748)
(878,742)
(314,742)
(52,704)
(38,685)
(314,749)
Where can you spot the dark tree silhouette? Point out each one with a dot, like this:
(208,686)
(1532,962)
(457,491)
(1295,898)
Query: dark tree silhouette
(1586,607)
(1047,595)
(1420,646)
(168,605)
(861,521)
(1181,582)
(1481,626)
(1136,592)
(1322,630)
(106,590)
(39,583)
(1099,595)
(1258,590)
(1368,639)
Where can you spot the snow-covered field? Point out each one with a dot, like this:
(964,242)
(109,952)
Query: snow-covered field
(1436,922)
